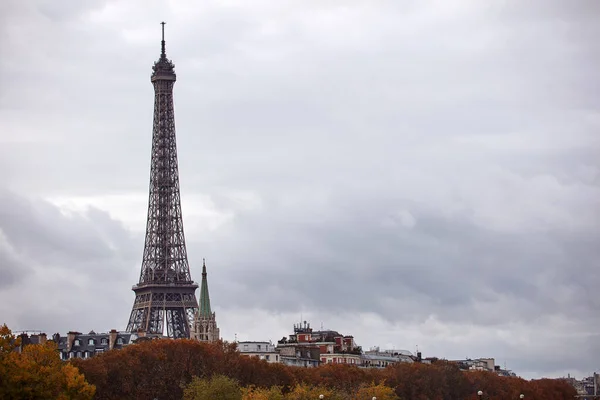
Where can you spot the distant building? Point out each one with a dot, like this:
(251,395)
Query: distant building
(478,364)
(504,372)
(35,338)
(261,350)
(299,355)
(376,358)
(589,386)
(78,345)
(334,348)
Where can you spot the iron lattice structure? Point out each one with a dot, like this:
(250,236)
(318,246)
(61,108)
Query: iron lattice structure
(165,295)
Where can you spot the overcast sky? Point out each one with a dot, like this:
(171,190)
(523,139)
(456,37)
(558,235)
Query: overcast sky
(413,173)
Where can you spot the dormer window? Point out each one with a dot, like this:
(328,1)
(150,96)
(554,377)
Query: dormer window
(91,342)
(76,342)
(119,341)
(104,341)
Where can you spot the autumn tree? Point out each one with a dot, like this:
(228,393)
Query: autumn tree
(131,374)
(256,393)
(218,387)
(380,391)
(8,341)
(309,392)
(38,373)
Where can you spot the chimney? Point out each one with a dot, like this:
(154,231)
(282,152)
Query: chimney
(112,339)
(43,338)
(70,339)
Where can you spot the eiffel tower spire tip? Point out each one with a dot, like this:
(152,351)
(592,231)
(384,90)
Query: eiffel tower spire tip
(162,43)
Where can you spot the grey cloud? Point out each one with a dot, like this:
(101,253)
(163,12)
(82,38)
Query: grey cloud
(66,272)
(38,229)
(404,159)
(446,263)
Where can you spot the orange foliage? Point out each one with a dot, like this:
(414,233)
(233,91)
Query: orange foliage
(162,368)
(38,373)
(380,391)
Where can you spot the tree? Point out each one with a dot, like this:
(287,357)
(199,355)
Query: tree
(38,373)
(380,391)
(254,393)
(8,341)
(308,392)
(218,387)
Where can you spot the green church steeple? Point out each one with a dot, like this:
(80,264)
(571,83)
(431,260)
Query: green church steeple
(204,310)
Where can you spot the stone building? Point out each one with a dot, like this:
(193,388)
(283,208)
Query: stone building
(261,350)
(205,324)
(299,355)
(78,345)
(334,347)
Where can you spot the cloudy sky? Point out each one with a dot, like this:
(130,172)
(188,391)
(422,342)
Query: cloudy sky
(412,173)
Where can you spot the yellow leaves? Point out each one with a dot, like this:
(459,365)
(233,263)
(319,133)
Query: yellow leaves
(380,391)
(307,392)
(219,387)
(76,388)
(253,393)
(38,373)
(8,342)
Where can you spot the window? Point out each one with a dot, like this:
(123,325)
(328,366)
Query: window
(267,357)
(71,355)
(76,342)
(258,346)
(91,342)
(119,341)
(276,358)
(104,341)
(78,354)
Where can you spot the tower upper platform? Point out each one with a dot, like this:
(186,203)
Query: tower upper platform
(163,69)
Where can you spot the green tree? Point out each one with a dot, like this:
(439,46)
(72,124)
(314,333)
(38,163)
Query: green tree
(219,387)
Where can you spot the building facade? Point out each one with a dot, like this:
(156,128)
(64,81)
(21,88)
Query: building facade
(296,355)
(78,345)
(334,348)
(261,350)
(376,358)
(478,364)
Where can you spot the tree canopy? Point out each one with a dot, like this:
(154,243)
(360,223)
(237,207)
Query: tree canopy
(37,372)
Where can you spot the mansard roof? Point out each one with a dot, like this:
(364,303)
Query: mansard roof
(84,345)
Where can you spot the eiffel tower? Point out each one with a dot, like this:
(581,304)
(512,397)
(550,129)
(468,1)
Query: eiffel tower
(165,295)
